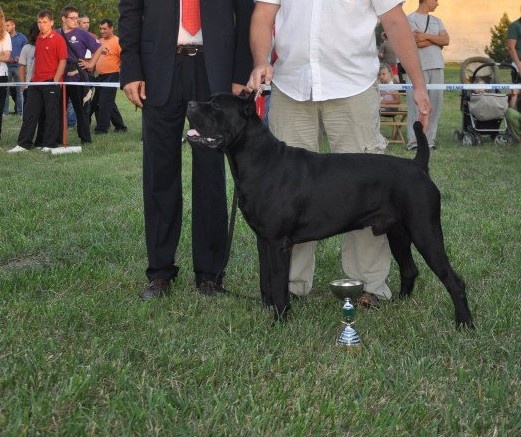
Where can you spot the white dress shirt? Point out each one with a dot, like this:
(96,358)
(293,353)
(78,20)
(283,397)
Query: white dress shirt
(326,48)
(184,37)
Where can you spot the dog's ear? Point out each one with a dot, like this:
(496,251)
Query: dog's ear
(249,107)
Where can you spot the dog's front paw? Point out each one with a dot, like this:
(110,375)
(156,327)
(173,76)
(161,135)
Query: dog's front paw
(403,296)
(465,324)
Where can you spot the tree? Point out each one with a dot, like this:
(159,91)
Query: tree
(24,12)
(497,50)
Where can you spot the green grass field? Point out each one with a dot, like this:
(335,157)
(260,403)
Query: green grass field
(81,355)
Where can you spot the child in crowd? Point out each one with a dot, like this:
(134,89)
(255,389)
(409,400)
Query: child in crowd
(385,76)
(479,90)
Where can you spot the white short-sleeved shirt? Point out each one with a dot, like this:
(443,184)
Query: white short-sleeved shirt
(5,45)
(326,48)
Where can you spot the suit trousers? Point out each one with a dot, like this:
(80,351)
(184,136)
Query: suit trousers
(353,126)
(162,182)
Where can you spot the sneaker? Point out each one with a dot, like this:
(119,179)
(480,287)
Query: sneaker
(17,149)
(432,146)
(45,149)
(412,146)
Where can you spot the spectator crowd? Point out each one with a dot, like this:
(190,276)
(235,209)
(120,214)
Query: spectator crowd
(60,51)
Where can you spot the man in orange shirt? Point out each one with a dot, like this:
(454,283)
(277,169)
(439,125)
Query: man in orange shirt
(104,104)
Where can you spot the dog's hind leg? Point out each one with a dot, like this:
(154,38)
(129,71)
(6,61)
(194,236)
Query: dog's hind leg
(279,252)
(264,272)
(400,244)
(429,243)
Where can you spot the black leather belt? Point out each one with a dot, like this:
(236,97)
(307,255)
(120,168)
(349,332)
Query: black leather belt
(190,50)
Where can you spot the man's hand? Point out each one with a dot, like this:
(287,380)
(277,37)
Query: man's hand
(421,97)
(135,92)
(260,74)
(237,88)
(87,65)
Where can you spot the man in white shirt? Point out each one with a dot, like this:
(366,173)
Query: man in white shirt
(325,75)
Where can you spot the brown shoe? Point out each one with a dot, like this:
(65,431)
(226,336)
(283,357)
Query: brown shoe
(156,288)
(210,288)
(369,301)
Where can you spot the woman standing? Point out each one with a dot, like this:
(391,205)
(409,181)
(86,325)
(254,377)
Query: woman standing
(5,54)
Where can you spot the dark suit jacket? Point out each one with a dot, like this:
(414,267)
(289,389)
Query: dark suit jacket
(148,32)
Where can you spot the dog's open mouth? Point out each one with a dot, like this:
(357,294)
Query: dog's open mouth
(194,137)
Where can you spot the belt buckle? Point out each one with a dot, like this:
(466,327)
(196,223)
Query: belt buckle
(192,51)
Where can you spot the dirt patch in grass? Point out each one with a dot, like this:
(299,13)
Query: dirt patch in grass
(26,262)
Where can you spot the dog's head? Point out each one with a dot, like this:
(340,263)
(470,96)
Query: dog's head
(220,121)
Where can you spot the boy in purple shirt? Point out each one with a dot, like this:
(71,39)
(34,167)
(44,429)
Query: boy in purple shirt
(78,42)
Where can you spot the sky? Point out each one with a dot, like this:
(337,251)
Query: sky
(468,23)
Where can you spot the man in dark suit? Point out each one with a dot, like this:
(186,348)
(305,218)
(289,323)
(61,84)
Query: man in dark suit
(165,63)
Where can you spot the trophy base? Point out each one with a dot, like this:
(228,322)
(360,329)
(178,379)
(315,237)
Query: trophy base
(349,339)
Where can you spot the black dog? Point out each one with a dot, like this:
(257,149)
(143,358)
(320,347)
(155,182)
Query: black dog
(289,195)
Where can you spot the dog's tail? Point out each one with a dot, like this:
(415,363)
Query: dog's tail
(422,152)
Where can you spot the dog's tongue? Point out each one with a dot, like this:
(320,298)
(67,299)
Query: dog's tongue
(193,133)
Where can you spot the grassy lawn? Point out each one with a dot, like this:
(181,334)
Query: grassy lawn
(81,355)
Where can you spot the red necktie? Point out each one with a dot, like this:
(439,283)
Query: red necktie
(191,16)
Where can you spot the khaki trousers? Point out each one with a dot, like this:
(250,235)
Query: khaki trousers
(352,125)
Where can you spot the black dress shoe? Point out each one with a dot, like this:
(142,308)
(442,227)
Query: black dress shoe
(156,288)
(209,288)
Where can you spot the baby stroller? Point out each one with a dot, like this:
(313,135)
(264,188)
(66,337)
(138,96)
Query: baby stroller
(483,111)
